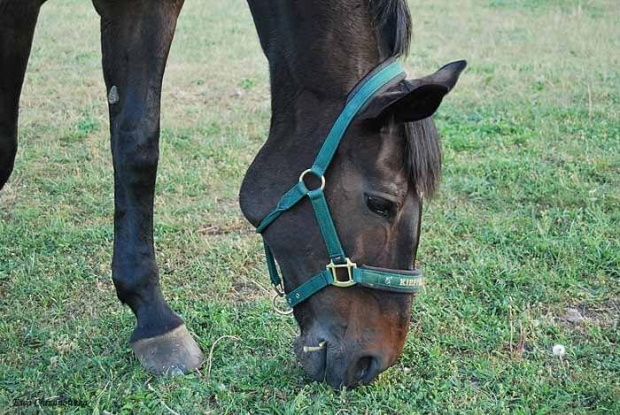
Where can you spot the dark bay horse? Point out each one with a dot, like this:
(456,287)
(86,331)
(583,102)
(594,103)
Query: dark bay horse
(387,160)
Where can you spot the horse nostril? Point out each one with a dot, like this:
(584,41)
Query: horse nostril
(366,369)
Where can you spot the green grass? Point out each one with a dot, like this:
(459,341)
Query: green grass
(527,223)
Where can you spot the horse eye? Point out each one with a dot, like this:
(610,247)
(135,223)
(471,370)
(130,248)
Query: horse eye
(379,205)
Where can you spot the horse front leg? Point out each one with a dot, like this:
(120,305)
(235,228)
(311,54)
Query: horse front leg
(18,19)
(136,38)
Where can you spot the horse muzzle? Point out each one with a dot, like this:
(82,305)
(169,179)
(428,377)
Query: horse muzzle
(337,364)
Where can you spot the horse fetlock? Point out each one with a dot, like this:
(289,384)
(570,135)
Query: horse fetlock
(134,275)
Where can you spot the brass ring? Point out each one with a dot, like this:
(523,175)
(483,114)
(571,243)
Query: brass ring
(279,310)
(303,174)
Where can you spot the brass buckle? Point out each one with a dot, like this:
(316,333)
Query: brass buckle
(350,266)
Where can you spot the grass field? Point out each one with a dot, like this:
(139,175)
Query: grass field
(526,225)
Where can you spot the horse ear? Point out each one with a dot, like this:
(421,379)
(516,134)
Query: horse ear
(416,99)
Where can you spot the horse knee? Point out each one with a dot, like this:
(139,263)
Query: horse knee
(136,153)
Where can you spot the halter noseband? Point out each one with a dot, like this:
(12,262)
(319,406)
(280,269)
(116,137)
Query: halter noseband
(401,281)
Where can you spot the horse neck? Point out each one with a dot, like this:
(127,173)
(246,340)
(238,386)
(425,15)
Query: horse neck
(317,52)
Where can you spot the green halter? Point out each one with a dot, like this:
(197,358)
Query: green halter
(389,280)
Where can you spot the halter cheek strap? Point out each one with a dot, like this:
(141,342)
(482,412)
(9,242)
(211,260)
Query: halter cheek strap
(340,272)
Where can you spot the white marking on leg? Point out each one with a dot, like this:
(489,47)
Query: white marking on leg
(113,97)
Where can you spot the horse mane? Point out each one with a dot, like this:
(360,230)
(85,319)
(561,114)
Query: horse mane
(392,22)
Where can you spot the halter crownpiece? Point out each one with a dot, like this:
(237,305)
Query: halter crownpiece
(341,271)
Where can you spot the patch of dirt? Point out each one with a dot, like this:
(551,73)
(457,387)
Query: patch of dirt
(236,226)
(606,315)
(574,316)
(245,291)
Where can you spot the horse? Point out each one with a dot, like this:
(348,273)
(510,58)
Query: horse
(354,186)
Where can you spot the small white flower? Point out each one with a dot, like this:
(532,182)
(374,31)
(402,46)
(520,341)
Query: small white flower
(559,350)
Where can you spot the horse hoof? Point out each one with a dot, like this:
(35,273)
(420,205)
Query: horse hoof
(172,353)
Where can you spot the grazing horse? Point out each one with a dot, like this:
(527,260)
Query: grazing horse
(353,186)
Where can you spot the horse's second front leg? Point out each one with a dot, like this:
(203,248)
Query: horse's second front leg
(136,38)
